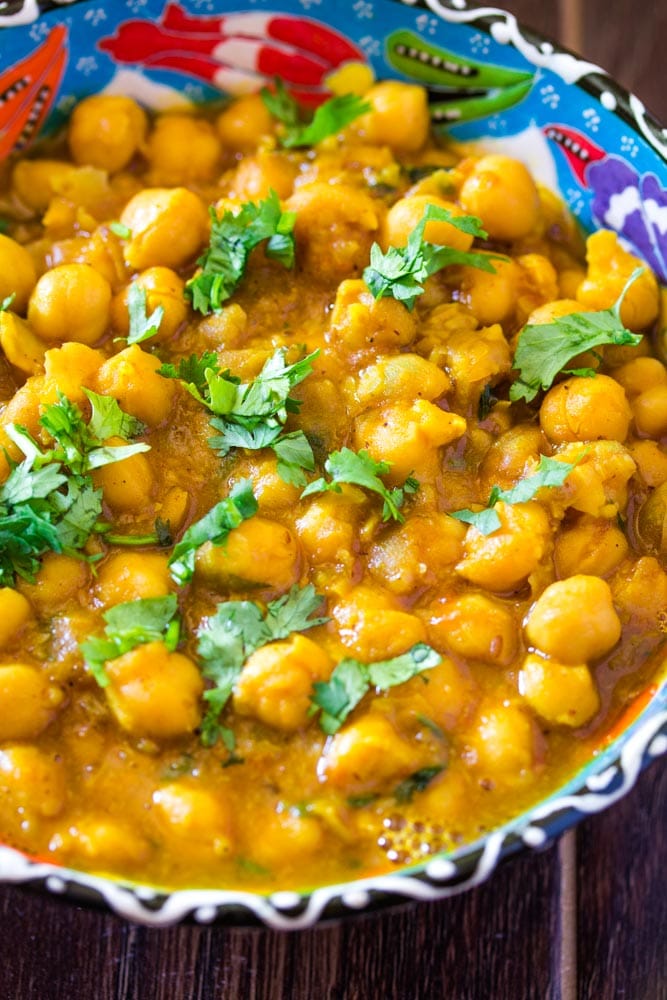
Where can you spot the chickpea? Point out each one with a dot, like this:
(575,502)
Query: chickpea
(34,701)
(131,378)
(598,483)
(594,546)
(585,409)
(103,842)
(399,117)
(651,522)
(21,347)
(475,358)
(244,123)
(368,755)
(195,815)
(511,455)
(259,551)
(287,835)
(327,527)
(70,368)
(404,216)
(32,783)
(609,268)
(651,461)
(640,374)
(490,296)
(449,698)
(163,289)
(561,694)
(405,376)
(335,226)
(504,743)
(359,321)
(417,553)
(257,176)
(182,149)
(277,680)
(503,560)
(574,620)
(475,626)
(640,594)
(270,489)
(127,485)
(132,576)
(106,131)
(70,302)
(15,613)
(36,182)
(154,693)
(649,410)
(407,435)
(373,626)
(59,579)
(501,192)
(18,275)
(168,225)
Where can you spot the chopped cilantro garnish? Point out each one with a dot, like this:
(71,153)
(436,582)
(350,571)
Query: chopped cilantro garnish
(402,271)
(48,503)
(329,118)
(129,625)
(359,469)
(233,237)
(213,527)
(142,326)
(549,472)
(236,630)
(7,302)
(544,349)
(252,415)
(351,680)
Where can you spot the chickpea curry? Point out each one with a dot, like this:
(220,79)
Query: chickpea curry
(333,491)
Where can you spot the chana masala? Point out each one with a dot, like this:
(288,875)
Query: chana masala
(333,503)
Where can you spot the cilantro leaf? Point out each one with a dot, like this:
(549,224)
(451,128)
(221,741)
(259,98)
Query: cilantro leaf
(142,326)
(236,630)
(131,624)
(544,349)
(359,469)
(6,303)
(233,237)
(549,472)
(108,420)
(213,527)
(120,230)
(351,680)
(400,273)
(48,503)
(329,119)
(252,414)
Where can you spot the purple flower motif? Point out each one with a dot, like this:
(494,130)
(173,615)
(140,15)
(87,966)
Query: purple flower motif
(633,205)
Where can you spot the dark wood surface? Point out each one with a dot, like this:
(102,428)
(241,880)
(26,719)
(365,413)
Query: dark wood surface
(584,920)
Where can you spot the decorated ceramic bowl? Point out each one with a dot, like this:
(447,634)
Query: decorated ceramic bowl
(490,82)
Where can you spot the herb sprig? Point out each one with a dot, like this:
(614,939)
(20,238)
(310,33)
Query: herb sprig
(543,350)
(233,238)
(400,273)
(252,414)
(352,680)
(131,624)
(549,472)
(237,629)
(359,469)
(329,118)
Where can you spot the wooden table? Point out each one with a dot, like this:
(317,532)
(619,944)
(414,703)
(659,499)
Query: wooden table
(587,918)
